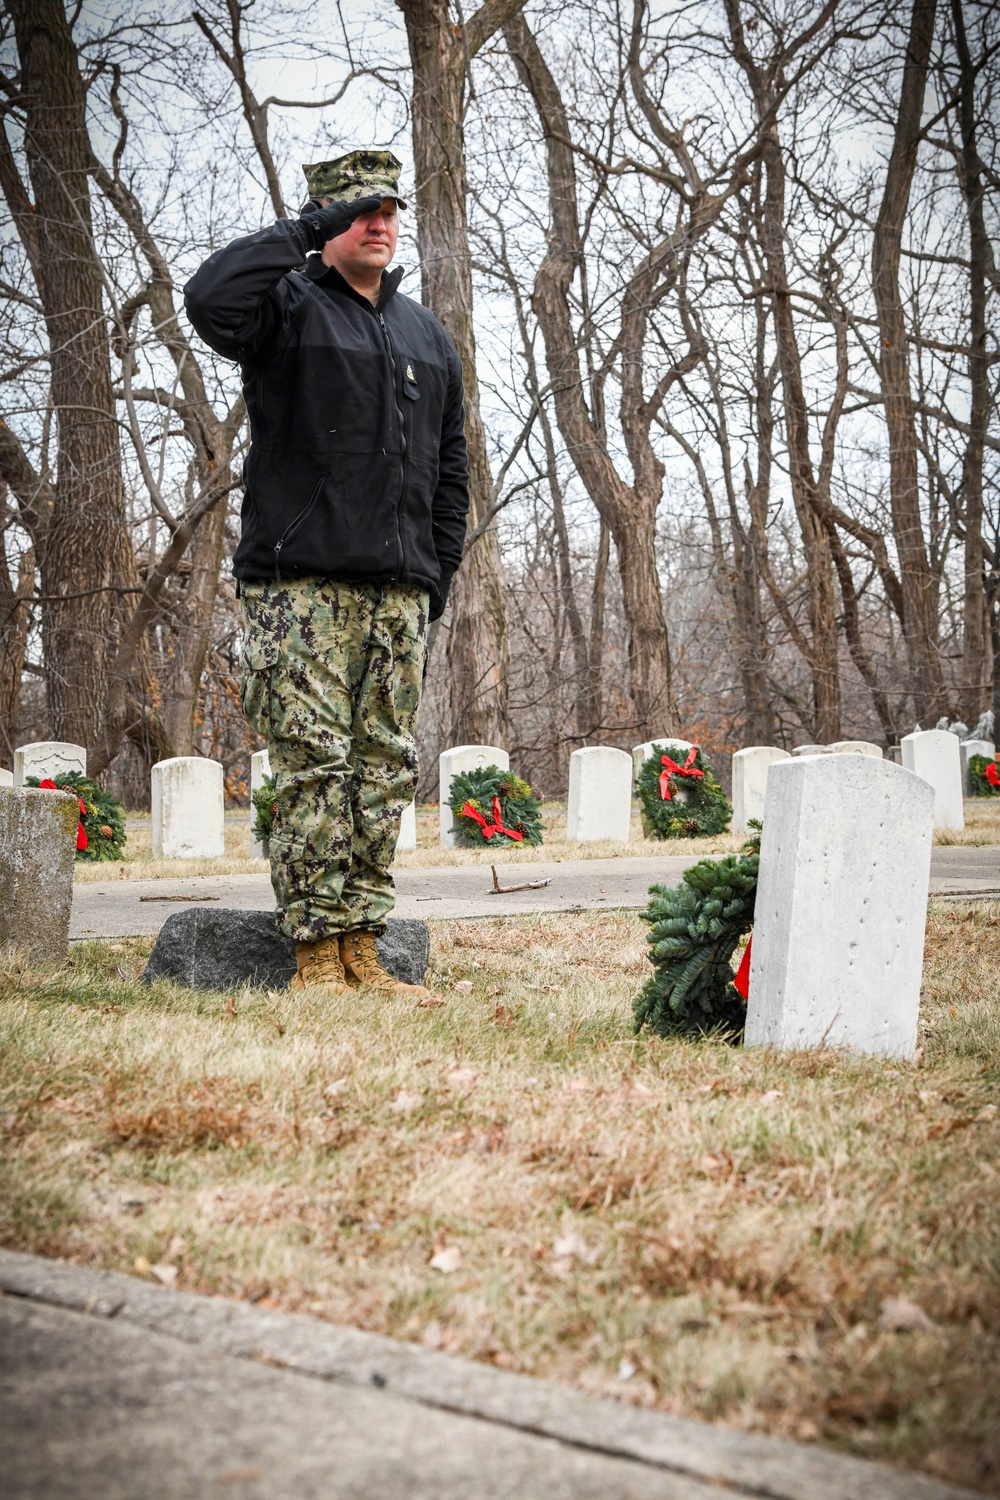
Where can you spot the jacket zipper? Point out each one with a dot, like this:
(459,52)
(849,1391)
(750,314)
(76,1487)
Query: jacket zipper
(293,527)
(402,432)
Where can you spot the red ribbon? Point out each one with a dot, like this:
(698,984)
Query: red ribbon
(741,979)
(81,832)
(673,769)
(489,829)
(992,774)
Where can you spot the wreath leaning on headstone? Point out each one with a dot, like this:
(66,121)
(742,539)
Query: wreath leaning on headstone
(101,830)
(264,806)
(489,804)
(695,928)
(984,777)
(704,808)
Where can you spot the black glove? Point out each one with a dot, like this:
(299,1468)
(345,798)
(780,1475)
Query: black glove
(318,224)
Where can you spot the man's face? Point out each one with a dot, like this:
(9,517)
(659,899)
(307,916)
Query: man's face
(368,245)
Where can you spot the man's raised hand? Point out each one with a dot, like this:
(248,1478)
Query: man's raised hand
(320,224)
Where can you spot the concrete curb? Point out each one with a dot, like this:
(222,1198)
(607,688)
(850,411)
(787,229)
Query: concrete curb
(740,1462)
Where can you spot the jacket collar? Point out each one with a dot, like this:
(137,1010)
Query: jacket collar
(330,279)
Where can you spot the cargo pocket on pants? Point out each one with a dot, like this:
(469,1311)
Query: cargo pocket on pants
(288,868)
(258,660)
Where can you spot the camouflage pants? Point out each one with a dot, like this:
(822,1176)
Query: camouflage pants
(331,679)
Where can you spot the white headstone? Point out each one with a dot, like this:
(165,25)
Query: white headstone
(750,768)
(934,754)
(450,763)
(407,829)
(45,758)
(641,753)
(855,747)
(600,795)
(6,777)
(260,766)
(838,934)
(810,750)
(188,809)
(37,851)
(966,750)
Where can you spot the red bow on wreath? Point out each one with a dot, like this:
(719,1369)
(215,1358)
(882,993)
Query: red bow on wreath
(489,829)
(81,833)
(673,769)
(992,774)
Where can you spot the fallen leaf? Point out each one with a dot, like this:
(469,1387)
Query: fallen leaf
(987,1113)
(176,1248)
(141,1265)
(430,1002)
(165,1275)
(770,1096)
(405,1101)
(578,1085)
(461,1078)
(338,1086)
(503,1016)
(572,1246)
(463,987)
(446,1259)
(231,1006)
(948,1127)
(900,1315)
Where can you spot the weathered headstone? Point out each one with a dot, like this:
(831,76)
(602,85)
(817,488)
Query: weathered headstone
(450,763)
(216,950)
(407,829)
(44,758)
(841,907)
(188,809)
(6,777)
(810,749)
(967,749)
(934,754)
(642,752)
(37,850)
(600,795)
(856,747)
(750,768)
(260,766)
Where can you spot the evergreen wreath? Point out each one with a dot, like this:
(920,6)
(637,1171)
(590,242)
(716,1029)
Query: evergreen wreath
(694,930)
(489,803)
(264,806)
(706,811)
(981,783)
(102,817)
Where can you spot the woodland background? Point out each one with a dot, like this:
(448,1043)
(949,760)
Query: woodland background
(722,276)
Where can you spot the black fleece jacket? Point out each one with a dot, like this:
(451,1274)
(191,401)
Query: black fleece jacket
(358,467)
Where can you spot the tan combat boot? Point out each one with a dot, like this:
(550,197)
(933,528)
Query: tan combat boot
(361,966)
(319,966)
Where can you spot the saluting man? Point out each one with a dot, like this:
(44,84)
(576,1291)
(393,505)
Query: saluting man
(354,515)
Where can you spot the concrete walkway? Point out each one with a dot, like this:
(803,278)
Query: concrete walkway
(129,908)
(113,1389)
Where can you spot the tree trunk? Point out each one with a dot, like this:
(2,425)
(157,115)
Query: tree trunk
(180,711)
(15,618)
(88,520)
(919,602)
(975,655)
(440,55)
(629,512)
(815,539)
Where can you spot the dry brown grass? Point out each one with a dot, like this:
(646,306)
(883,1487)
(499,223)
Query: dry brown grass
(693,1227)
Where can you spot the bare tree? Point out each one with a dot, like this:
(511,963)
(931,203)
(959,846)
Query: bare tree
(442,50)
